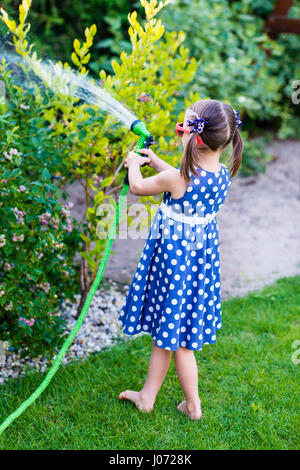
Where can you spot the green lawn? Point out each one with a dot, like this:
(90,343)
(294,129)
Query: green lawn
(247,381)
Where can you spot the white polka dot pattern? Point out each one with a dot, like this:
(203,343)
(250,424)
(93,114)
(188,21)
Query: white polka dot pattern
(175,294)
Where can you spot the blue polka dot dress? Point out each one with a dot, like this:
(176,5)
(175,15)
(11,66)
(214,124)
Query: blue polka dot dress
(175,294)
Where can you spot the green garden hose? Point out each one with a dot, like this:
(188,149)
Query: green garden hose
(145,140)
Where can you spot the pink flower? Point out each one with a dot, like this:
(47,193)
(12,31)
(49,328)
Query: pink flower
(44,218)
(65,212)
(27,322)
(144,97)
(45,286)
(18,238)
(19,215)
(54,221)
(7,156)
(59,245)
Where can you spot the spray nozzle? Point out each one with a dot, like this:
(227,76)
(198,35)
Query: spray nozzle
(145,140)
(139,128)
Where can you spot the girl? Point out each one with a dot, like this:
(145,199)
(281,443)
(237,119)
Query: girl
(175,295)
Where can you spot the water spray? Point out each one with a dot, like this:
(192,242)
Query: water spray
(69,83)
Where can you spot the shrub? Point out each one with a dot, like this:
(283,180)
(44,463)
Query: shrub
(54,25)
(33,258)
(37,233)
(240,63)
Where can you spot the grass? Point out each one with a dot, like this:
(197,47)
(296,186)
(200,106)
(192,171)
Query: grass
(247,382)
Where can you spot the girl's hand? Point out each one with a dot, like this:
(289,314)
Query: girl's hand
(135,159)
(153,157)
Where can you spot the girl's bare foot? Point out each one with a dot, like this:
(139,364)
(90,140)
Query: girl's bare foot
(191,412)
(140,402)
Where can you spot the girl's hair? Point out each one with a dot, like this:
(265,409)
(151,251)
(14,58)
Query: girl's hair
(222,130)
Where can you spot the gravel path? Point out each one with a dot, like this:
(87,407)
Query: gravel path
(259,243)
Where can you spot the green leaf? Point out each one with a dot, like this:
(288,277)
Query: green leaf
(47,338)
(86,256)
(107,181)
(46,175)
(82,134)
(51,187)
(91,111)
(16,172)
(84,238)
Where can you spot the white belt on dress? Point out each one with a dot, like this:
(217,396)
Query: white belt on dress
(180,217)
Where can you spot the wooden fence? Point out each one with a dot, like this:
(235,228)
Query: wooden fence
(279,23)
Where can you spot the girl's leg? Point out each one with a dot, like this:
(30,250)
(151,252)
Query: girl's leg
(158,367)
(187,371)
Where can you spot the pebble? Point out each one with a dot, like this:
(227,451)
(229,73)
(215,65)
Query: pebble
(100,329)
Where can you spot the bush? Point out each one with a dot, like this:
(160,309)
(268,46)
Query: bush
(56,23)
(38,239)
(33,260)
(240,63)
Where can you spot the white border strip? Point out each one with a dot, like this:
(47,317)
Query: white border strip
(185,218)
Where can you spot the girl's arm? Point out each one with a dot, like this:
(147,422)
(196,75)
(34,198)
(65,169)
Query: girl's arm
(157,184)
(164,181)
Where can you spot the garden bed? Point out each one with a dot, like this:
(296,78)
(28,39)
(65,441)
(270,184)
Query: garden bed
(99,330)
